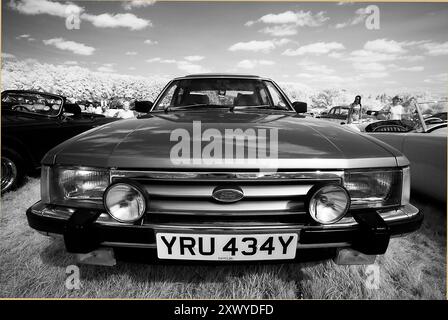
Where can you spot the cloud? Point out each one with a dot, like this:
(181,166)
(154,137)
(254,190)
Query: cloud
(283,30)
(369,67)
(190,67)
(160,60)
(131,53)
(250,64)
(360,15)
(437,78)
(106,68)
(299,18)
(71,63)
(75,47)
(256,46)
(126,20)
(25,36)
(287,23)
(194,58)
(374,75)
(435,48)
(35,7)
(150,42)
(317,48)
(385,46)
(129,5)
(314,67)
(63,10)
(412,69)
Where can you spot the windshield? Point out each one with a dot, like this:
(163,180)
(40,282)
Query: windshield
(32,103)
(221,93)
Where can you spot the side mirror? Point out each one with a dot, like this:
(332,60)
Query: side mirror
(300,107)
(143,106)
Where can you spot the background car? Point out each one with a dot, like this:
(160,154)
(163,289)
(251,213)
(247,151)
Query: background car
(32,123)
(424,143)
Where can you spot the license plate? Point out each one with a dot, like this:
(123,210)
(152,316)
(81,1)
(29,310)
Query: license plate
(184,246)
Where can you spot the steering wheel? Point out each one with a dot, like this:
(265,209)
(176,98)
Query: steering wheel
(21,107)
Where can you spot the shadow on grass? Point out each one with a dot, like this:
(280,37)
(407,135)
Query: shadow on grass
(137,263)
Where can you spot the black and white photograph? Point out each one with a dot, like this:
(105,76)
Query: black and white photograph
(235,151)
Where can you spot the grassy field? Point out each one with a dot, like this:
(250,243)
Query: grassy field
(32,265)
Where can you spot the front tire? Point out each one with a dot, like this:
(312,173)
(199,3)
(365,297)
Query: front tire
(12,170)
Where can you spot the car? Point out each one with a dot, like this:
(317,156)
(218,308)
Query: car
(337,114)
(425,145)
(224,168)
(33,122)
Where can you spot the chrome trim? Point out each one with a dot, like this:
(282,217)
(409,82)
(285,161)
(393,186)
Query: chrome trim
(408,211)
(204,190)
(226,176)
(154,246)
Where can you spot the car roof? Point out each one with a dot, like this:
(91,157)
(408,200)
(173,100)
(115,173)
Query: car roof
(220,75)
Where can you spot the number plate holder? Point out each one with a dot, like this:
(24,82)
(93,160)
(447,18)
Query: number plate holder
(224,247)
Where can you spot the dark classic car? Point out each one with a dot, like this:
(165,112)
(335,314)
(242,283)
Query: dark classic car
(33,123)
(337,114)
(224,167)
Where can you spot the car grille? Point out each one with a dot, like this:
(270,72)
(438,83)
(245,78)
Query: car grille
(278,197)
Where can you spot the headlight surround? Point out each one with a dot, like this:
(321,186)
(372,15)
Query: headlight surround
(77,186)
(329,203)
(375,188)
(125,202)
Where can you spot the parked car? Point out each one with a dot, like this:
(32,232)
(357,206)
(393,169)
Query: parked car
(32,123)
(161,182)
(425,145)
(337,114)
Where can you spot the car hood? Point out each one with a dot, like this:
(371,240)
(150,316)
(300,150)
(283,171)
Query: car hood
(145,143)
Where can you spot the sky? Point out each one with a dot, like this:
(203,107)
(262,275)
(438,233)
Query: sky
(367,46)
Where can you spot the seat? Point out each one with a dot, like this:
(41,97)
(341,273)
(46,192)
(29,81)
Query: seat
(73,108)
(245,100)
(193,99)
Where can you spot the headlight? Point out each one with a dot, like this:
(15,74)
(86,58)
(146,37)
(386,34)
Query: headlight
(124,202)
(375,188)
(329,204)
(74,186)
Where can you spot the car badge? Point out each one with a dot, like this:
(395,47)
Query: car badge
(228,194)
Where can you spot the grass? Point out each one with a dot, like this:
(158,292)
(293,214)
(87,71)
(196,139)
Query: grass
(31,265)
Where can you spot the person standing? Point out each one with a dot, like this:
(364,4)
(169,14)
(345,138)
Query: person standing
(355,111)
(126,113)
(393,111)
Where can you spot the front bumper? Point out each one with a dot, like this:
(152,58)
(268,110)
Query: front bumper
(85,230)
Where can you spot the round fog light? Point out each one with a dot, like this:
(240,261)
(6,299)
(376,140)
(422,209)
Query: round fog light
(329,204)
(124,202)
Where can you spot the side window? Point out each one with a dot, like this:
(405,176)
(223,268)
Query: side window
(277,99)
(264,96)
(167,99)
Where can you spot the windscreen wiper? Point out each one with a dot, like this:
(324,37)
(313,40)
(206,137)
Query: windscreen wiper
(168,108)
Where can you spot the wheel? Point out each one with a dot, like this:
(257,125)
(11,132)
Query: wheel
(12,170)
